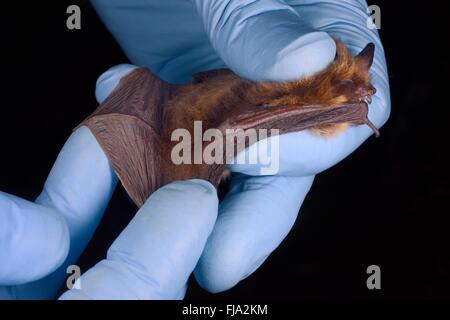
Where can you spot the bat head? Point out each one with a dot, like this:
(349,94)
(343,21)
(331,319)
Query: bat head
(345,81)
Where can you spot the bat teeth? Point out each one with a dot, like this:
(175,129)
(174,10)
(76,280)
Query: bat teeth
(368,99)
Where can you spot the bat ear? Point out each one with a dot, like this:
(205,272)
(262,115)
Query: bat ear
(366,55)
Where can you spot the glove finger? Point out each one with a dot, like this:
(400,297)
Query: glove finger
(303,153)
(155,254)
(34,240)
(255,216)
(347,21)
(286,47)
(110,79)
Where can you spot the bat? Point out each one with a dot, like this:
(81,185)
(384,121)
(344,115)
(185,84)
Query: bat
(134,124)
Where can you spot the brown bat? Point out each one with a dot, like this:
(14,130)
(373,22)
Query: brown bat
(134,124)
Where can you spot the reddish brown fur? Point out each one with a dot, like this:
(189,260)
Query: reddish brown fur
(345,80)
(135,123)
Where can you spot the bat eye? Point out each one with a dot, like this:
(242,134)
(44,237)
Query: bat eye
(346,82)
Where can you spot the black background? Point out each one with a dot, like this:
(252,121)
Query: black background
(385,204)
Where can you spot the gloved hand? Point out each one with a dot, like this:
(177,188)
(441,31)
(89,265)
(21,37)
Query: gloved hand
(156,253)
(269,40)
(37,237)
(151,259)
(257,39)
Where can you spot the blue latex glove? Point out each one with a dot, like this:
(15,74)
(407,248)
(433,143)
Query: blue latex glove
(156,253)
(37,237)
(259,211)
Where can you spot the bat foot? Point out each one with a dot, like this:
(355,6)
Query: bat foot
(372,126)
